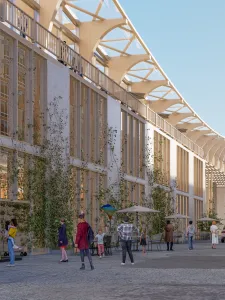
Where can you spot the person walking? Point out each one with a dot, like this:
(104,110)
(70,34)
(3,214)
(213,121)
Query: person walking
(214,232)
(190,234)
(63,240)
(84,236)
(11,237)
(125,231)
(169,235)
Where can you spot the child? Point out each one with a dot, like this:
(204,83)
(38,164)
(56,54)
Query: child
(12,228)
(143,241)
(100,241)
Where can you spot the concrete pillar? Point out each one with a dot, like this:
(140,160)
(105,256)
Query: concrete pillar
(173,169)
(58,89)
(191,186)
(149,142)
(114,154)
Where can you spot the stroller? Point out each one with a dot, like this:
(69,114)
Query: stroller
(4,249)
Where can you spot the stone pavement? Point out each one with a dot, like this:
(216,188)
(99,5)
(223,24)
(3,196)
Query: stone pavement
(182,274)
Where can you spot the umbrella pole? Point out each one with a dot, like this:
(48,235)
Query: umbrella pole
(110,225)
(137,222)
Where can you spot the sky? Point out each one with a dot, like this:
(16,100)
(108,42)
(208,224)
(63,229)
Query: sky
(187,38)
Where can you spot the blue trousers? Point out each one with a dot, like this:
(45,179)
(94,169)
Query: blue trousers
(11,252)
(190,242)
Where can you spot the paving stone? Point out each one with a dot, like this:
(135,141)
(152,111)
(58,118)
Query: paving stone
(159,275)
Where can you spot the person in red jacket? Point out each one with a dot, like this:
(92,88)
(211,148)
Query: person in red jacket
(82,241)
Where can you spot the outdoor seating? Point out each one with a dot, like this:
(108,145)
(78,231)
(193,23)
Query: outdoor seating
(116,245)
(135,244)
(156,240)
(108,245)
(178,237)
(93,248)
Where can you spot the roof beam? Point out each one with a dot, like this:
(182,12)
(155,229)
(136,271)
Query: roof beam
(83,10)
(120,65)
(112,48)
(204,140)
(175,118)
(48,11)
(196,134)
(188,126)
(160,106)
(69,14)
(128,44)
(148,86)
(67,32)
(33,4)
(114,40)
(98,9)
(92,32)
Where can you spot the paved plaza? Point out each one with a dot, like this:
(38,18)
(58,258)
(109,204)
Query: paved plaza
(182,274)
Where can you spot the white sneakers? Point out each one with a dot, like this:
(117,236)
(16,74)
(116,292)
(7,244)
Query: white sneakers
(123,264)
(9,265)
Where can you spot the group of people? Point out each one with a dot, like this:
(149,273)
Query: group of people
(190,233)
(85,236)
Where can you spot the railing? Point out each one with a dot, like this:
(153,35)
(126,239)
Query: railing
(29,28)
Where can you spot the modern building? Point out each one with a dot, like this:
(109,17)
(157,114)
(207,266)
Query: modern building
(89,56)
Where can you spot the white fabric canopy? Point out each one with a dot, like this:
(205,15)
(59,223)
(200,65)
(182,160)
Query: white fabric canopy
(139,209)
(206,219)
(177,216)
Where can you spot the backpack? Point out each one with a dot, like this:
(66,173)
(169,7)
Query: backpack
(90,235)
(191,230)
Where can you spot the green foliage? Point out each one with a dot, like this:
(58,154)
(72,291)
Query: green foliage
(205,226)
(162,201)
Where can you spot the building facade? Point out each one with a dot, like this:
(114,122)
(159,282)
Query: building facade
(112,123)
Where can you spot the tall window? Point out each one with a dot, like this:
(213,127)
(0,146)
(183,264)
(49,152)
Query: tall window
(88,123)
(198,177)
(38,116)
(4,176)
(22,84)
(88,186)
(182,170)
(183,207)
(198,213)
(161,159)
(132,144)
(5,58)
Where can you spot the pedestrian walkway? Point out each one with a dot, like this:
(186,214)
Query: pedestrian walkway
(159,275)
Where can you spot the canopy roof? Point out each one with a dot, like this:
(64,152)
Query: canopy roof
(115,47)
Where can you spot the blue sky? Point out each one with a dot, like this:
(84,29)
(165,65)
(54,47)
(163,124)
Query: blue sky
(187,38)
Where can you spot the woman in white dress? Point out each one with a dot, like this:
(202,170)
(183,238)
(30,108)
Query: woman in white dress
(214,232)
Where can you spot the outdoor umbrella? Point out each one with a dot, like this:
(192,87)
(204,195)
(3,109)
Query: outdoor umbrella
(177,216)
(109,210)
(138,209)
(206,219)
